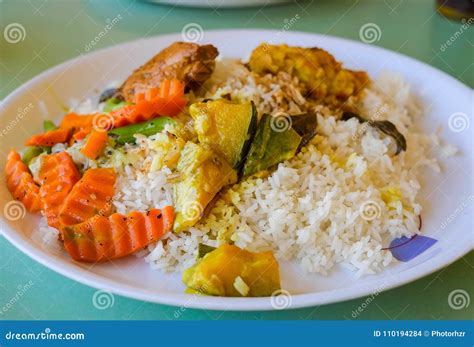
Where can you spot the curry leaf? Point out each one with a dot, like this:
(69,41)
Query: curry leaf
(305,126)
(384,126)
(204,249)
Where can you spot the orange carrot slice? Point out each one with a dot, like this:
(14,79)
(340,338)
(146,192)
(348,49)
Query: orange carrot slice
(20,182)
(79,125)
(152,93)
(164,89)
(139,97)
(168,100)
(81,134)
(147,109)
(101,238)
(90,196)
(58,174)
(76,122)
(95,144)
(49,138)
(176,88)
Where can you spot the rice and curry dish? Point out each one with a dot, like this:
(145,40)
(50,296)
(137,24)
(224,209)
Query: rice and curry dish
(222,169)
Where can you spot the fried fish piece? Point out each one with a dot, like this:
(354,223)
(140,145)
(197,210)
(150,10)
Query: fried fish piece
(185,61)
(324,78)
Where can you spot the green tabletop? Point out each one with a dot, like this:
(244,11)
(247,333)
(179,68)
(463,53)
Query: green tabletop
(57,30)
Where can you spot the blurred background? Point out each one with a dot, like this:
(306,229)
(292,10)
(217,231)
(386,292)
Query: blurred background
(38,34)
(56,30)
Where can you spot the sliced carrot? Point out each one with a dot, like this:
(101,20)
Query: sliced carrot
(176,88)
(79,125)
(49,138)
(20,182)
(146,110)
(95,144)
(101,238)
(58,174)
(164,89)
(152,93)
(167,100)
(170,106)
(89,197)
(139,97)
(168,217)
(132,114)
(81,134)
(76,122)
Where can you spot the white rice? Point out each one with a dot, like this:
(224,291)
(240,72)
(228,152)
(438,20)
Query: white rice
(335,203)
(312,207)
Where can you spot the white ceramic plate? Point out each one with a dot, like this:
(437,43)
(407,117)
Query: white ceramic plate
(447,197)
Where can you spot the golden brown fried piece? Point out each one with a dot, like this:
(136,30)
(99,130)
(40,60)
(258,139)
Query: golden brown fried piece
(185,61)
(324,78)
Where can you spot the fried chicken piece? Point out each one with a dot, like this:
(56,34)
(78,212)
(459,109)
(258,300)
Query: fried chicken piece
(185,61)
(324,78)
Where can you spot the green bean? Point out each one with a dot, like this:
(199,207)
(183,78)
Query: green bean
(113,104)
(126,134)
(30,153)
(48,125)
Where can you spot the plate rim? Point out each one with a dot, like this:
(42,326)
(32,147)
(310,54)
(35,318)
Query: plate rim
(82,275)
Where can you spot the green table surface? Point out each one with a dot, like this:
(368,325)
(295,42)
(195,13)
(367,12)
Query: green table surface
(58,30)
